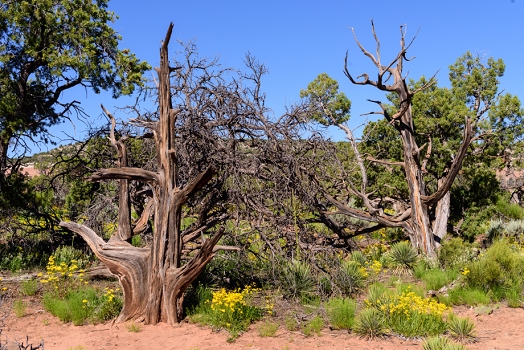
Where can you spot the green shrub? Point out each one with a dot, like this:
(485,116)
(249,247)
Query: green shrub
(134,327)
(85,304)
(461,329)
(370,324)
(314,325)
(497,272)
(341,312)
(403,256)
(67,254)
(440,343)
(350,277)
(455,253)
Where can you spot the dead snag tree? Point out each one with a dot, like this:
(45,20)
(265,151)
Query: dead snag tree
(205,116)
(412,215)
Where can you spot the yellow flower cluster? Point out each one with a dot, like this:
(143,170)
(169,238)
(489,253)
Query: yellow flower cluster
(109,294)
(465,271)
(63,275)
(269,306)
(231,301)
(371,268)
(409,302)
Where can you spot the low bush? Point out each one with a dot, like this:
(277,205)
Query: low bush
(498,271)
(69,297)
(297,279)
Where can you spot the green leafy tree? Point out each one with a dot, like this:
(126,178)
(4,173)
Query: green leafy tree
(46,48)
(407,162)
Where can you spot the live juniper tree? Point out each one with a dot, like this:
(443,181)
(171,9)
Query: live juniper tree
(212,139)
(46,48)
(401,172)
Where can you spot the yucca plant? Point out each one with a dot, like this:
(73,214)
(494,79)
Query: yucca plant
(297,279)
(350,277)
(461,328)
(403,257)
(370,324)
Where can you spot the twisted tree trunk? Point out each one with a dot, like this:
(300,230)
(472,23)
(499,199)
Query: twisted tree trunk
(153,279)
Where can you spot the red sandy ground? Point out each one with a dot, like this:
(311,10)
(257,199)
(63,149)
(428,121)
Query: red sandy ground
(502,329)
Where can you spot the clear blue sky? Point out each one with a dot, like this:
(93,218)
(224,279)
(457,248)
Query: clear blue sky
(297,40)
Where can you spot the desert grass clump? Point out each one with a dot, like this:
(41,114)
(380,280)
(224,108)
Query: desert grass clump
(370,324)
(441,343)
(461,329)
(19,307)
(70,298)
(313,326)
(134,327)
(464,295)
(341,312)
(29,287)
(268,329)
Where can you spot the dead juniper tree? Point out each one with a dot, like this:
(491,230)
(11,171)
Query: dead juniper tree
(346,189)
(208,124)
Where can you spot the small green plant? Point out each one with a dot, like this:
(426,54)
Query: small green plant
(268,329)
(403,256)
(45,322)
(78,347)
(19,308)
(341,312)
(461,329)
(29,287)
(467,296)
(314,325)
(291,322)
(134,327)
(369,324)
(440,343)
